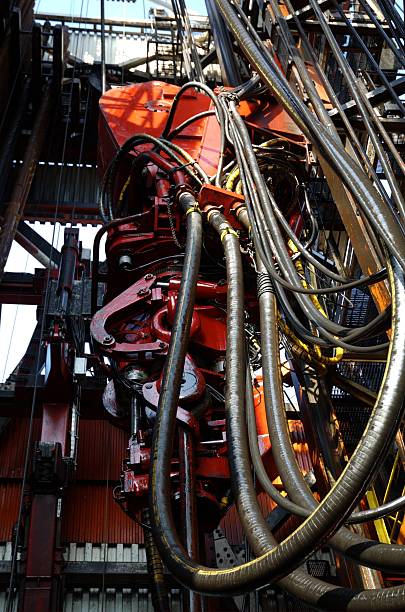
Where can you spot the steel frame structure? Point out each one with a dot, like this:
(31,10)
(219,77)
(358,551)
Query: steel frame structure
(41,79)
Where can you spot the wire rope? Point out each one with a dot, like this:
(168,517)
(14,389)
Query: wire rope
(10,594)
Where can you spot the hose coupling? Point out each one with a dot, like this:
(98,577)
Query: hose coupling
(264,284)
(226,231)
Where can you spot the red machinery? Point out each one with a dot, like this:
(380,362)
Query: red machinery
(144,253)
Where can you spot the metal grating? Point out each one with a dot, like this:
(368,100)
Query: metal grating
(86,47)
(114,600)
(73,187)
(318,568)
(352,423)
(364,373)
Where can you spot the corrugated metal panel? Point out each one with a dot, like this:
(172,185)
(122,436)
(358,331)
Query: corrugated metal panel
(114,600)
(104,551)
(110,600)
(101,450)
(90,514)
(12,448)
(67,185)
(9,503)
(86,46)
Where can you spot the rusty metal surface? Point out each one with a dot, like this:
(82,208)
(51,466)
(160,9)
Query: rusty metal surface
(92,515)
(93,460)
(9,501)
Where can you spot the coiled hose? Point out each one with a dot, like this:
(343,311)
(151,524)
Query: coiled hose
(364,551)
(160,597)
(380,216)
(275,563)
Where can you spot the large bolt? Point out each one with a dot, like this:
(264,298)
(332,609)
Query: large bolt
(148,277)
(125,262)
(143,291)
(107,340)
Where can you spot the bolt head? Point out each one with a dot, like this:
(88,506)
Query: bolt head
(148,277)
(107,340)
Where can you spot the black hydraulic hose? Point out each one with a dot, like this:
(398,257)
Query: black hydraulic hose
(255,216)
(186,156)
(305,253)
(168,147)
(322,595)
(264,289)
(381,218)
(173,133)
(298,510)
(366,552)
(257,189)
(307,336)
(160,597)
(273,391)
(330,513)
(273,233)
(336,103)
(365,109)
(387,39)
(259,230)
(220,117)
(298,583)
(370,57)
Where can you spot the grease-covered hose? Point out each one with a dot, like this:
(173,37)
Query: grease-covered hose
(380,216)
(271,371)
(311,590)
(327,517)
(364,551)
(160,597)
(362,516)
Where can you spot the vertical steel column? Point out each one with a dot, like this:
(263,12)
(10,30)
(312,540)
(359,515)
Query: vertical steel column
(24,178)
(188,508)
(41,587)
(103,75)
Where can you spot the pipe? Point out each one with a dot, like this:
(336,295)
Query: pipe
(103,72)
(329,514)
(365,109)
(366,552)
(160,596)
(188,507)
(381,218)
(22,184)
